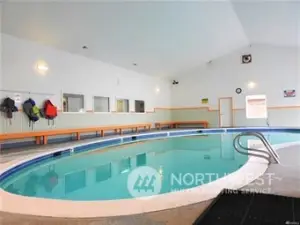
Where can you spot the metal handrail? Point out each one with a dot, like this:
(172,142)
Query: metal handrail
(237,145)
(270,155)
(269,147)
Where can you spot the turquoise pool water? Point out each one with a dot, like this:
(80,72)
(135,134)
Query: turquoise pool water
(182,163)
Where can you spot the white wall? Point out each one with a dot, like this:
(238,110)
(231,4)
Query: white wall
(273,69)
(0,56)
(0,48)
(75,74)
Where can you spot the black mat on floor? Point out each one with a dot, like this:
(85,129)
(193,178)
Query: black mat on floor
(233,207)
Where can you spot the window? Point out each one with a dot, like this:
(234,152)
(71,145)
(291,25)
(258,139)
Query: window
(103,172)
(75,181)
(124,165)
(141,159)
(73,103)
(122,105)
(139,106)
(256,107)
(101,104)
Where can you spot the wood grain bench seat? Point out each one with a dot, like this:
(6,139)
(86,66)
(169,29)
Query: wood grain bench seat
(42,136)
(175,124)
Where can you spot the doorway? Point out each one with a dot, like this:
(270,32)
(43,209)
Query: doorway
(225,112)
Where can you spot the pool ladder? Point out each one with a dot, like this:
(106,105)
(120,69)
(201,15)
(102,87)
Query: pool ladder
(269,154)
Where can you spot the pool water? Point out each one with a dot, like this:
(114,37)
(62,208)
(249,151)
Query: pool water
(182,163)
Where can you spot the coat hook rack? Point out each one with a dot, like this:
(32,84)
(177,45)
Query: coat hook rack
(27,92)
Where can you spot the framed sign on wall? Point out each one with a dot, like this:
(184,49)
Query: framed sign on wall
(289,93)
(204,100)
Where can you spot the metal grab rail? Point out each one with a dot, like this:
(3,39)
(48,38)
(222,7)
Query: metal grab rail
(271,156)
(237,145)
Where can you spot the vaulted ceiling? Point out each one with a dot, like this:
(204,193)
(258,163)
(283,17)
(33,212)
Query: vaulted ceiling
(162,38)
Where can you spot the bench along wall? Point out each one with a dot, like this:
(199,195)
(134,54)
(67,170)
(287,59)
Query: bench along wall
(69,73)
(273,70)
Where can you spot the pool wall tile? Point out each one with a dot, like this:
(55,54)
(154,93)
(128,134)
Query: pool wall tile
(120,140)
(31,162)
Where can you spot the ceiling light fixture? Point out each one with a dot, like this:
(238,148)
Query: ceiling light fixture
(85,47)
(135,64)
(42,68)
(251,85)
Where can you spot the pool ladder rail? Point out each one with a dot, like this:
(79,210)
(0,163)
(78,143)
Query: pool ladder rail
(268,153)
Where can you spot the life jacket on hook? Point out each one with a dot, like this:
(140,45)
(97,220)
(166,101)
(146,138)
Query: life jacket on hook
(50,111)
(8,107)
(32,111)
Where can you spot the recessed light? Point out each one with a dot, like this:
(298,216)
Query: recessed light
(42,67)
(135,64)
(85,47)
(251,85)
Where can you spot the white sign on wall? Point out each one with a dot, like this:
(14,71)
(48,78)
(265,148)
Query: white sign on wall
(256,107)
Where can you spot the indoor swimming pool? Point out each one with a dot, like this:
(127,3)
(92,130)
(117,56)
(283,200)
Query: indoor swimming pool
(102,173)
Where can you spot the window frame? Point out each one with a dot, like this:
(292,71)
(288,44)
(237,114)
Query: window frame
(68,95)
(116,104)
(135,101)
(109,104)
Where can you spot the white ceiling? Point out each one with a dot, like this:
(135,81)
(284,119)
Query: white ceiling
(273,23)
(163,38)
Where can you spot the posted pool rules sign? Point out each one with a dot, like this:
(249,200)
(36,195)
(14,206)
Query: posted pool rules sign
(256,107)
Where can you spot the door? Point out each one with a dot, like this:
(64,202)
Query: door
(227,150)
(225,113)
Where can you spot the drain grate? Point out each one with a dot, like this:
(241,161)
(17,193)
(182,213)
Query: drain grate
(233,207)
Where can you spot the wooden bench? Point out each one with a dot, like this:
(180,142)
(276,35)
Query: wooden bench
(42,136)
(175,124)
